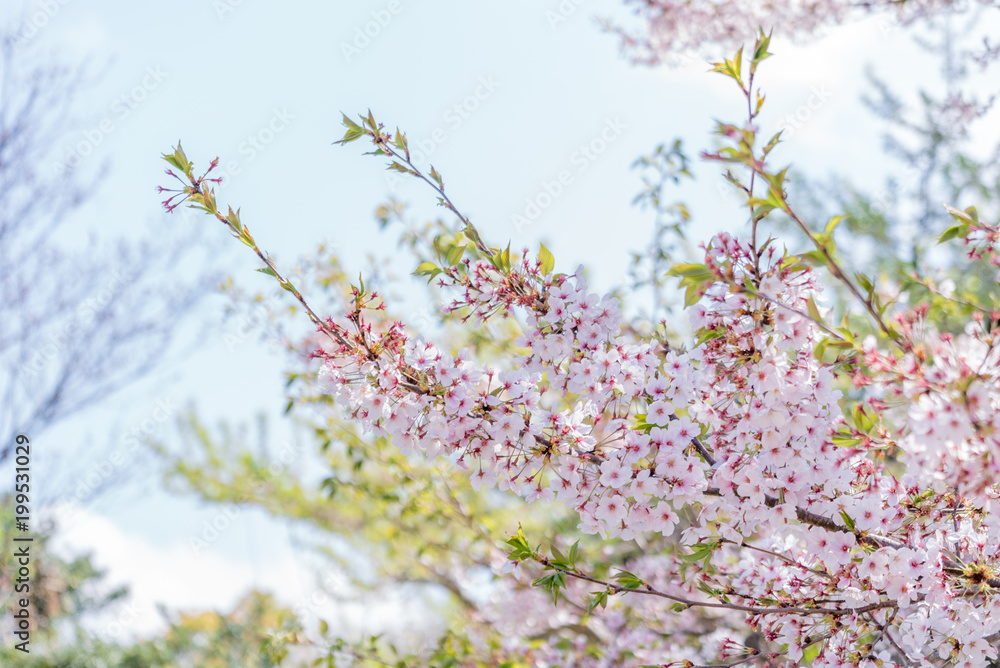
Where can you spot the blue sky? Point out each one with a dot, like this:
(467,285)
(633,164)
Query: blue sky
(504,98)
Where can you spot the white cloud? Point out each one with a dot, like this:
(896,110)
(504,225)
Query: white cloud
(173,576)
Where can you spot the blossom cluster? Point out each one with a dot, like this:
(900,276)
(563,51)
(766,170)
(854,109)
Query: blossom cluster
(819,545)
(950,387)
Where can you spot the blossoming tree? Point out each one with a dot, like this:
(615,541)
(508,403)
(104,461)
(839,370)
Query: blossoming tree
(666,29)
(794,489)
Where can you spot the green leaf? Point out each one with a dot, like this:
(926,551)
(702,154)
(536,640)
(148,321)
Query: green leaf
(179,160)
(832,225)
(546,261)
(814,258)
(814,310)
(574,553)
(690,270)
(777,182)
(774,141)
(692,294)
(600,599)
(560,558)
(960,230)
(437,177)
(181,157)
(351,125)
(760,50)
(505,259)
(968,216)
(268,271)
(234,220)
(700,551)
(553,583)
(864,282)
(471,234)
(172,160)
(862,421)
(401,140)
(842,441)
(731,68)
(628,580)
(710,334)
(521,550)
(454,255)
(353,131)
(426,267)
(695,278)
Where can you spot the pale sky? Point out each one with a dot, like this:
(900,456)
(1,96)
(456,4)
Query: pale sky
(502,97)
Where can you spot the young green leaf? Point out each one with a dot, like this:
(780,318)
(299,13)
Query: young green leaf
(546,261)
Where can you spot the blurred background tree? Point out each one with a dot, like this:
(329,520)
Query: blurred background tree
(84,315)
